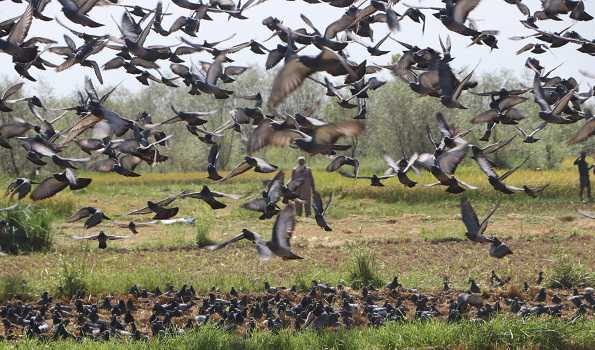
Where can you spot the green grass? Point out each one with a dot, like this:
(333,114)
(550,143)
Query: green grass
(499,333)
(26,229)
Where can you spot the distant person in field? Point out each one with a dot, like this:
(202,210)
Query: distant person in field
(583,172)
(303,175)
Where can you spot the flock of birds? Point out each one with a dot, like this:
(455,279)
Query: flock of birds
(119,144)
(321,306)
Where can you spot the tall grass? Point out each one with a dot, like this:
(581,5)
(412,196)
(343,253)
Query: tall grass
(364,269)
(14,286)
(498,333)
(72,278)
(568,273)
(25,229)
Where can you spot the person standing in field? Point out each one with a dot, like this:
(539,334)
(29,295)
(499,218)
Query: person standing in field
(302,174)
(583,172)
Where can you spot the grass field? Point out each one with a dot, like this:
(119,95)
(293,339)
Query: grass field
(415,234)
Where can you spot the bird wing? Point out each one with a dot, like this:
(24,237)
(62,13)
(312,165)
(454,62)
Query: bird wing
(115,238)
(239,169)
(586,214)
(539,95)
(80,127)
(264,166)
(47,188)
(586,131)
(330,133)
(11,91)
(511,171)
(450,160)
(483,163)
(317,203)
(469,216)
(89,238)
(563,102)
(484,223)
(226,243)
(443,126)
(86,6)
(462,10)
(284,227)
(289,78)
(81,213)
(335,164)
(213,154)
(20,30)
(143,35)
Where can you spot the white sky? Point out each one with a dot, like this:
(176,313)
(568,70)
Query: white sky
(491,14)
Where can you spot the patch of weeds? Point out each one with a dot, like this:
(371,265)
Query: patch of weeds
(25,229)
(568,274)
(203,228)
(14,286)
(72,278)
(363,270)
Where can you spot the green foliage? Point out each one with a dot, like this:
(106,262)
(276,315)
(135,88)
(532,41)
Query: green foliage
(567,274)
(363,270)
(14,286)
(203,227)
(499,333)
(72,278)
(25,229)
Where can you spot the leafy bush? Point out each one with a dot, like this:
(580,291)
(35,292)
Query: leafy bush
(364,270)
(25,229)
(568,274)
(14,286)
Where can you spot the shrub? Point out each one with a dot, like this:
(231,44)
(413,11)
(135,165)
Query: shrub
(364,270)
(568,274)
(14,286)
(25,229)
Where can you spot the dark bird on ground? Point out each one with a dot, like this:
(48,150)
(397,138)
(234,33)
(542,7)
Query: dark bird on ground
(475,229)
(498,249)
(101,238)
(320,210)
(94,216)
